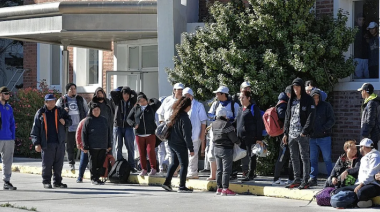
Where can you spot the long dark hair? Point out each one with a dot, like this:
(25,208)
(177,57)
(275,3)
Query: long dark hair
(178,107)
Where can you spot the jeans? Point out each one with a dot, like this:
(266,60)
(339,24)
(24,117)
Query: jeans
(366,193)
(224,166)
(180,156)
(70,147)
(324,144)
(361,69)
(280,164)
(52,161)
(6,149)
(127,135)
(300,146)
(96,158)
(82,164)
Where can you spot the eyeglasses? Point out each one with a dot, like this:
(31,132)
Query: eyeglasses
(6,93)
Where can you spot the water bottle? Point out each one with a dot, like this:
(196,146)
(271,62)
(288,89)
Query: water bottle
(283,153)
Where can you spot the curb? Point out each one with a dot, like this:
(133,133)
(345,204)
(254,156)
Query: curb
(203,185)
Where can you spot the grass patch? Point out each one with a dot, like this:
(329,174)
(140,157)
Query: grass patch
(8,205)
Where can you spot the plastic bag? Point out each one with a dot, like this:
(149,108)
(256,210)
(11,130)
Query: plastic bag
(260,149)
(239,153)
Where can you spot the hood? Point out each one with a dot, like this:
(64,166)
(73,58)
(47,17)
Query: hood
(315,92)
(302,84)
(372,97)
(282,96)
(126,89)
(100,89)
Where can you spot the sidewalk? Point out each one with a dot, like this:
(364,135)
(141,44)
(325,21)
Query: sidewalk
(261,187)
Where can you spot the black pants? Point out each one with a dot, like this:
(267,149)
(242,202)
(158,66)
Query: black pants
(52,161)
(180,156)
(366,193)
(285,160)
(96,158)
(70,145)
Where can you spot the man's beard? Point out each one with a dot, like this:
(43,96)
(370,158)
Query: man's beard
(98,99)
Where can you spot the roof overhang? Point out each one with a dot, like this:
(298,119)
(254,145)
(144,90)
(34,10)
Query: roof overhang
(81,24)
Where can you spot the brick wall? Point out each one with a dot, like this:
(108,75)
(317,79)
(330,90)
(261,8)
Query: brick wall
(30,63)
(324,7)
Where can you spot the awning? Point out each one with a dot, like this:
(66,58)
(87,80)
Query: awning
(81,24)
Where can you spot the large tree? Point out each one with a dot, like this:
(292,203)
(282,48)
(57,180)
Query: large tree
(268,43)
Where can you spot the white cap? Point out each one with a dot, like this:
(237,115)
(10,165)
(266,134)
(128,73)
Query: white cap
(222,89)
(244,85)
(178,86)
(222,112)
(372,25)
(366,142)
(187,90)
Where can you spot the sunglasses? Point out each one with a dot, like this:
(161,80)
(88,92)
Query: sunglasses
(6,93)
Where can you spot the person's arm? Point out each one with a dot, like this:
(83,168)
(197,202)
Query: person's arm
(259,124)
(310,117)
(85,135)
(230,130)
(85,106)
(78,135)
(187,133)
(12,125)
(374,167)
(287,118)
(355,169)
(66,117)
(203,118)
(59,102)
(131,117)
(36,130)
(281,111)
(330,117)
(371,119)
(155,104)
(109,133)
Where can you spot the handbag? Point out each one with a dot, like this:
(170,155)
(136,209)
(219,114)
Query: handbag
(239,153)
(163,131)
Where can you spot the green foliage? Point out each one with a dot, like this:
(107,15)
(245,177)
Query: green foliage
(268,43)
(25,104)
(8,205)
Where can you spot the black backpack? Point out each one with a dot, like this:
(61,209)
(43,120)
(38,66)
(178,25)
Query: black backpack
(120,172)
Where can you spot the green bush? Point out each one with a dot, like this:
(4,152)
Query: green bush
(25,103)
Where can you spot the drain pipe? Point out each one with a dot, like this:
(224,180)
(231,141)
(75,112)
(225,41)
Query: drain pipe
(65,66)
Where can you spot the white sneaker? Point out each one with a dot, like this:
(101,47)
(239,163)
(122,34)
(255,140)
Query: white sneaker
(278,182)
(365,204)
(192,176)
(289,182)
(162,173)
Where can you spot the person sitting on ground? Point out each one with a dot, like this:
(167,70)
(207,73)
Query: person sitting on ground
(346,169)
(224,138)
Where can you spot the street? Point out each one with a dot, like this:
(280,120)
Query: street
(110,197)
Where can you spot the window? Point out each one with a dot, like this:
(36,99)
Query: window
(149,56)
(55,65)
(93,67)
(366,44)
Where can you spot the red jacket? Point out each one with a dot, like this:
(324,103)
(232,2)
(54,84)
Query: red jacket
(78,134)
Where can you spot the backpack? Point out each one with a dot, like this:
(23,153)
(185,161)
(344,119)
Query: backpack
(323,197)
(109,161)
(264,133)
(273,124)
(344,199)
(120,172)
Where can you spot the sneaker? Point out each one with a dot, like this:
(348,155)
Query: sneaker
(185,190)
(100,182)
(79,180)
(304,185)
(313,182)
(228,192)
(9,186)
(192,176)
(47,185)
(72,168)
(294,184)
(152,172)
(143,173)
(219,191)
(278,182)
(59,185)
(245,174)
(204,170)
(167,187)
(365,204)
(94,182)
(248,179)
(162,173)
(134,170)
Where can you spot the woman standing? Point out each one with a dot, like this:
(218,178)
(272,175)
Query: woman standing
(180,143)
(249,125)
(142,118)
(97,140)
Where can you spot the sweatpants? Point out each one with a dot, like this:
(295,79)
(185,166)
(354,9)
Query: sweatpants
(366,193)
(300,146)
(193,160)
(6,149)
(147,144)
(70,145)
(96,158)
(224,158)
(179,157)
(52,161)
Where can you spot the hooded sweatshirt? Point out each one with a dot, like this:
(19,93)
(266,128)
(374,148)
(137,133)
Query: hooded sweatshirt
(324,117)
(95,133)
(105,107)
(7,124)
(369,121)
(369,166)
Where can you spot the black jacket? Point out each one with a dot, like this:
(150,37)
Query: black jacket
(109,114)
(146,120)
(249,128)
(324,118)
(369,121)
(181,132)
(118,102)
(224,135)
(282,104)
(343,164)
(96,133)
(307,110)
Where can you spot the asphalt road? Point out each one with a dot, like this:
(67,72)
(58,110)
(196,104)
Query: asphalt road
(124,198)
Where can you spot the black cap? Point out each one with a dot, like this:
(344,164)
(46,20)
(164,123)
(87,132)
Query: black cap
(126,89)
(4,90)
(367,87)
(298,81)
(68,86)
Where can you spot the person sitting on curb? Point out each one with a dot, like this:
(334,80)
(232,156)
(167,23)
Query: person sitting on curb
(366,186)
(48,136)
(346,169)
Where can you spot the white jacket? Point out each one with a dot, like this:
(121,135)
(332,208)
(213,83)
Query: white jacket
(369,166)
(198,116)
(166,110)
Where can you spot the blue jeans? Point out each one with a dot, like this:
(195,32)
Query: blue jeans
(324,144)
(129,140)
(82,164)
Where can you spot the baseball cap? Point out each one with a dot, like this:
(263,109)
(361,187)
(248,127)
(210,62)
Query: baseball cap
(178,86)
(245,84)
(366,142)
(222,89)
(49,97)
(4,90)
(187,90)
(367,87)
(372,25)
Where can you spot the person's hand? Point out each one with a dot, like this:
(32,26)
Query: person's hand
(285,140)
(358,187)
(109,149)
(377,176)
(137,126)
(85,151)
(67,109)
(191,153)
(334,181)
(203,152)
(302,135)
(38,148)
(343,175)
(62,121)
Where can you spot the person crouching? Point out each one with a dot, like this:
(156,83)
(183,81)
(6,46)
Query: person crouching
(97,141)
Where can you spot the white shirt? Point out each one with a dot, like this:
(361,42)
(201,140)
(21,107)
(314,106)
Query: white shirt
(369,166)
(197,115)
(165,111)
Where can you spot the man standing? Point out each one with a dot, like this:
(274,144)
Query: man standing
(321,135)
(198,118)
(7,137)
(298,125)
(48,137)
(370,121)
(361,47)
(77,108)
(124,100)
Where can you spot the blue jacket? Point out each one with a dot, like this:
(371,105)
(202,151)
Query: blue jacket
(38,133)
(7,127)
(324,118)
(282,105)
